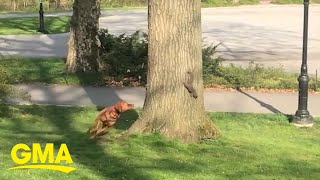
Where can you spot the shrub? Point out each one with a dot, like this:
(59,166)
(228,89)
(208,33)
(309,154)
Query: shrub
(124,56)
(210,63)
(248,2)
(125,60)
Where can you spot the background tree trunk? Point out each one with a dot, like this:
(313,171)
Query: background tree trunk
(83,45)
(14,5)
(58,4)
(175,47)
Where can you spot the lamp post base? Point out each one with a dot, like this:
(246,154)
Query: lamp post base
(302,120)
(42,31)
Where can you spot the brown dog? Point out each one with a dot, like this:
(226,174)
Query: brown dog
(107,117)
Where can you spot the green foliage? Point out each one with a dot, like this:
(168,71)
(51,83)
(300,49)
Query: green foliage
(210,64)
(123,3)
(248,2)
(287,1)
(217,3)
(124,55)
(254,76)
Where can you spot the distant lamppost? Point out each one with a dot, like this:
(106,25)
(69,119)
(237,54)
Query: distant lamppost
(302,118)
(41,19)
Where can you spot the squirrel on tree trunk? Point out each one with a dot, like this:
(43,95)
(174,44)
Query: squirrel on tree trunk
(189,85)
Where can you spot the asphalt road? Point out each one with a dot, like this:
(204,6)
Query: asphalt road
(265,34)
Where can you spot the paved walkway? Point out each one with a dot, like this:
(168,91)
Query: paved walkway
(266,34)
(222,101)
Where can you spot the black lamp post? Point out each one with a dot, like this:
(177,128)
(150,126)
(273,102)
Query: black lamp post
(302,118)
(41,19)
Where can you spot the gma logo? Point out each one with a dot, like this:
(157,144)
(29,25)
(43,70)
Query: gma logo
(40,157)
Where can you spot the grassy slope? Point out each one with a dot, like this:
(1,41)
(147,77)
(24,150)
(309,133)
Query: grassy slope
(29,25)
(253,146)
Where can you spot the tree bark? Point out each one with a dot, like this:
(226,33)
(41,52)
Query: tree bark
(174,49)
(83,45)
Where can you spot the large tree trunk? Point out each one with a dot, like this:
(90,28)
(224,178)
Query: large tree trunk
(83,45)
(175,47)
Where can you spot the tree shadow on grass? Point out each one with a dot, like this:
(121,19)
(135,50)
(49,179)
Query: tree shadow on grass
(31,24)
(57,24)
(49,70)
(100,159)
(127,119)
(144,156)
(84,151)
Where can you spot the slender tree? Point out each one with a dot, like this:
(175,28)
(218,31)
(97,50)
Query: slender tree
(174,104)
(83,45)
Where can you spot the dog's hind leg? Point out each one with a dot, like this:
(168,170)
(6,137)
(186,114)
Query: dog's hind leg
(98,125)
(100,131)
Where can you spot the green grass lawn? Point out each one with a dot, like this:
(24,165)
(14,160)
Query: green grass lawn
(252,146)
(30,25)
(45,70)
